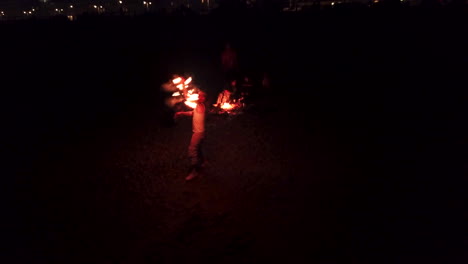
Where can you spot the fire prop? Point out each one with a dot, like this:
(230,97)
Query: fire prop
(182,90)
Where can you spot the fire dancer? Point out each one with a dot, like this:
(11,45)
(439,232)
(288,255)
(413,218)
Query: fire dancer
(198,127)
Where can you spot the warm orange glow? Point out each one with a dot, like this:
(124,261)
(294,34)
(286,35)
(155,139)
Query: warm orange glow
(227,106)
(192,97)
(180,86)
(176,94)
(188,80)
(192,100)
(191,104)
(177,80)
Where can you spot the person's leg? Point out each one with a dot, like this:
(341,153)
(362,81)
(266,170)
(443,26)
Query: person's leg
(195,154)
(201,156)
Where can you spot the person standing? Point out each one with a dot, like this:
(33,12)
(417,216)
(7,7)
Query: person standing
(198,128)
(229,63)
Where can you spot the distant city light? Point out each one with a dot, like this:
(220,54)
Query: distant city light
(71,6)
(56,9)
(120,2)
(30,12)
(144,2)
(95,6)
(332,3)
(150,3)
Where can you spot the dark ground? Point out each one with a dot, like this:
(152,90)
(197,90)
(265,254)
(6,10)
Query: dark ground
(356,155)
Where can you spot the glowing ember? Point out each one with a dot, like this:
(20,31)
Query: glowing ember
(188,80)
(177,80)
(180,86)
(176,94)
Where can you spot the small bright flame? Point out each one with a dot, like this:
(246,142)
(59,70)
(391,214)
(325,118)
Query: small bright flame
(192,97)
(71,6)
(192,100)
(94,7)
(188,80)
(176,94)
(332,3)
(191,104)
(177,80)
(180,86)
(227,106)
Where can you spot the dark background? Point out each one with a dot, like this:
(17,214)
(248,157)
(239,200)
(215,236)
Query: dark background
(380,92)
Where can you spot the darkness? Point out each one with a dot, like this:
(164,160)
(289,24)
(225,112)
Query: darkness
(355,155)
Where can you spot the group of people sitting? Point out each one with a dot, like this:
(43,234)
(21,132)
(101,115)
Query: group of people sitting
(236,94)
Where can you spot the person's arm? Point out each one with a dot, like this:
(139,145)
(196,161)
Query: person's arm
(178,114)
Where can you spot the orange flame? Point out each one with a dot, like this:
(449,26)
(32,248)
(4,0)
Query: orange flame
(176,94)
(191,100)
(180,86)
(227,106)
(177,80)
(188,80)
(192,97)
(191,104)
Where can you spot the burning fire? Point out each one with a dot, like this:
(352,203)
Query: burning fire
(186,91)
(177,80)
(226,103)
(191,101)
(227,106)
